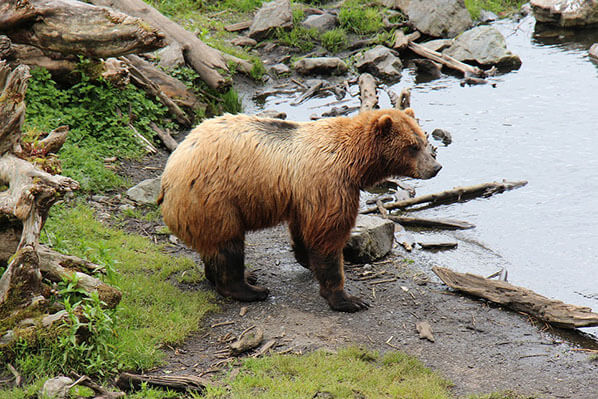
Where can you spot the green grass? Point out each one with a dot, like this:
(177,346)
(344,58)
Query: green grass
(153,311)
(350,373)
(334,40)
(499,7)
(355,16)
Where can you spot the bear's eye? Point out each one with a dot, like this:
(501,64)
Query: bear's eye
(414,148)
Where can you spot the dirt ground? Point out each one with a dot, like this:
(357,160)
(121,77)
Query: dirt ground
(482,348)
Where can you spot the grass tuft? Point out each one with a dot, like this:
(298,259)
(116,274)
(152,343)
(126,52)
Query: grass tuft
(334,40)
(499,7)
(355,16)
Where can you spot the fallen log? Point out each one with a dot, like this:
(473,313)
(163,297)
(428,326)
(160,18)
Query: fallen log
(456,194)
(166,138)
(60,66)
(367,92)
(449,224)
(75,27)
(520,299)
(128,382)
(207,61)
(16,12)
(450,62)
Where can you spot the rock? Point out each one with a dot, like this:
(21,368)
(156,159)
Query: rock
(280,69)
(435,245)
(271,113)
(395,4)
(442,135)
(487,16)
(171,56)
(243,41)
(439,18)
(485,46)
(381,62)
(429,68)
(594,51)
(56,388)
(323,65)
(424,330)
(566,13)
(438,44)
(323,22)
(272,15)
(100,198)
(145,192)
(126,207)
(371,239)
(400,40)
(525,10)
(248,341)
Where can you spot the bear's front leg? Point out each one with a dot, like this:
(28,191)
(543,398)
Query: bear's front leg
(226,270)
(329,272)
(298,244)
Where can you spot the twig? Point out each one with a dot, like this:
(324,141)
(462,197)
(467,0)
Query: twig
(17,375)
(224,323)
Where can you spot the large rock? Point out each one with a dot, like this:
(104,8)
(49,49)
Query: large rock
(56,388)
(594,51)
(566,13)
(483,45)
(145,192)
(381,62)
(323,65)
(323,22)
(171,56)
(272,15)
(371,239)
(439,18)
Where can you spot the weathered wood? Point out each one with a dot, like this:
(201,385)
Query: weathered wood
(450,62)
(75,27)
(456,194)
(60,66)
(139,79)
(13,85)
(238,26)
(520,299)
(6,49)
(207,61)
(128,381)
(166,138)
(367,92)
(16,12)
(449,224)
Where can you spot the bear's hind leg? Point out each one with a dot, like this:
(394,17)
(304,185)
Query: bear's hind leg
(298,245)
(329,272)
(226,270)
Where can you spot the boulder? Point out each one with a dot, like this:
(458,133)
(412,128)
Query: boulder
(145,192)
(439,18)
(171,56)
(381,62)
(594,51)
(323,22)
(243,41)
(323,65)
(566,13)
(371,239)
(56,388)
(272,15)
(485,46)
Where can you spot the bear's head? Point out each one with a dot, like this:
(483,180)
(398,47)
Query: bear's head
(404,145)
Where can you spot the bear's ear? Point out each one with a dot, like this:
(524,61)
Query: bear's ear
(384,124)
(409,112)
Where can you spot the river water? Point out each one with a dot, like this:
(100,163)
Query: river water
(540,124)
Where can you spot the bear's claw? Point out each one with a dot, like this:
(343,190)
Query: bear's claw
(341,301)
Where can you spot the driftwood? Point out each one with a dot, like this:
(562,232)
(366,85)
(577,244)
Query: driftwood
(102,392)
(449,224)
(59,65)
(128,381)
(207,61)
(367,92)
(450,62)
(75,27)
(520,299)
(166,138)
(456,194)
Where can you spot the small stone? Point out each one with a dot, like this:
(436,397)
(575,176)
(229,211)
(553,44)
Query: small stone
(487,16)
(425,330)
(437,245)
(171,56)
(424,66)
(145,192)
(126,207)
(594,51)
(280,69)
(323,65)
(323,22)
(56,388)
(381,62)
(272,15)
(173,239)
(250,340)
(99,198)
(243,41)
(442,135)
(271,113)
(371,239)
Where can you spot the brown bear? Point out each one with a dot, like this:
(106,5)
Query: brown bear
(238,173)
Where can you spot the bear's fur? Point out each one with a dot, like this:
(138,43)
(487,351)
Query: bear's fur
(238,173)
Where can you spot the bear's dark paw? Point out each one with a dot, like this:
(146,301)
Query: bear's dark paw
(244,292)
(341,301)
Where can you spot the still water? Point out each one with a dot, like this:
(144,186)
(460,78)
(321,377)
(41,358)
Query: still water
(540,124)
